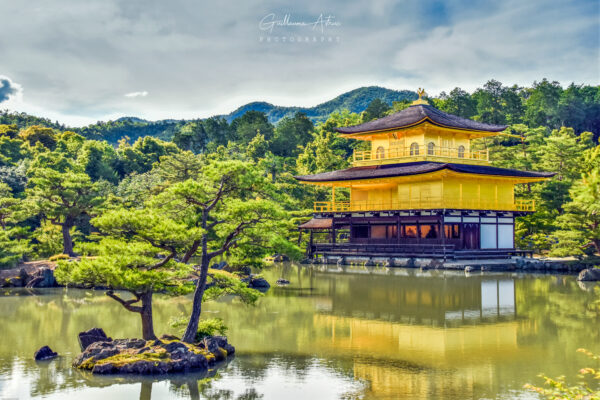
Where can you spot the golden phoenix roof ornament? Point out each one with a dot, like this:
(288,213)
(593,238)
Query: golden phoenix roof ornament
(420,100)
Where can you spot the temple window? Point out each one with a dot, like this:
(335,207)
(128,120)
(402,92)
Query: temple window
(380,154)
(409,231)
(414,149)
(360,231)
(430,148)
(452,231)
(378,232)
(429,231)
(461,151)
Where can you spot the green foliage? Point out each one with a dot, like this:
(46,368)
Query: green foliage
(13,247)
(210,327)
(558,388)
(48,239)
(58,257)
(136,254)
(63,197)
(39,134)
(73,175)
(458,102)
(376,109)
(206,327)
(580,222)
(224,284)
(251,124)
(291,135)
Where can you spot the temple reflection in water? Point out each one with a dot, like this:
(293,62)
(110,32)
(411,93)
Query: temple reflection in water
(406,331)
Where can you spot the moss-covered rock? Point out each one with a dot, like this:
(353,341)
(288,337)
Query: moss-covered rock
(136,356)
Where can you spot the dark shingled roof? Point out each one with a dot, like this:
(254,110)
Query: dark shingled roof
(416,168)
(413,114)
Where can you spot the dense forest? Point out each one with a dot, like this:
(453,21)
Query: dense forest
(67,190)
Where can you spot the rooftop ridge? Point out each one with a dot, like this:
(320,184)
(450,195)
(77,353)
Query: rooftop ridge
(417,114)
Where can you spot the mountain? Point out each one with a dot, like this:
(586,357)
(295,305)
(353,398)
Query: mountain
(355,100)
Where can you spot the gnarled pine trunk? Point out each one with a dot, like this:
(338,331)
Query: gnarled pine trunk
(67,240)
(146,314)
(190,332)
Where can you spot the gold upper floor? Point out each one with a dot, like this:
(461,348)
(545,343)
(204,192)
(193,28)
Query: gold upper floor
(424,142)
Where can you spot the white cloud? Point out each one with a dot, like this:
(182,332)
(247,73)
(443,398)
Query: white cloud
(137,94)
(200,58)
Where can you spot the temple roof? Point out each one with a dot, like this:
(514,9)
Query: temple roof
(317,223)
(416,168)
(416,114)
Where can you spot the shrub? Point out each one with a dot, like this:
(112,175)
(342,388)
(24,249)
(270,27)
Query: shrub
(206,327)
(558,388)
(210,327)
(58,257)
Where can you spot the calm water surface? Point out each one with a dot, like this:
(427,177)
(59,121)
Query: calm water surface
(355,333)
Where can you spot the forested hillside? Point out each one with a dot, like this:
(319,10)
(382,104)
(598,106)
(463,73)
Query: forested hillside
(54,181)
(356,101)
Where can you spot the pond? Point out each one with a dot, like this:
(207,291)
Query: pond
(351,333)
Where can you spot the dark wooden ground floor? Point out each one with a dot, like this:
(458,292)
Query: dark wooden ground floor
(431,233)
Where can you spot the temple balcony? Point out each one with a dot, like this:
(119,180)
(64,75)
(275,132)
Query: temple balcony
(425,204)
(420,152)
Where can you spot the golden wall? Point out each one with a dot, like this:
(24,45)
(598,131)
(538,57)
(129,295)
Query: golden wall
(440,192)
(422,135)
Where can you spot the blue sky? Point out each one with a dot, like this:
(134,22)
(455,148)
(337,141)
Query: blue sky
(79,62)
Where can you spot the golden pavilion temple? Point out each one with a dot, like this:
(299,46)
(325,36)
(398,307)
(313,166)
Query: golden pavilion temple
(421,190)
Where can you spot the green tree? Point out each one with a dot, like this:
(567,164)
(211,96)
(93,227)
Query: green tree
(250,124)
(542,104)
(291,135)
(13,247)
(489,103)
(376,109)
(41,134)
(10,131)
(9,206)
(62,197)
(98,160)
(581,221)
(13,242)
(235,209)
(141,156)
(257,148)
(136,256)
(192,137)
(561,153)
(178,167)
(458,102)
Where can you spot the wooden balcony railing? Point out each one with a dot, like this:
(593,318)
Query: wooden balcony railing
(420,153)
(425,204)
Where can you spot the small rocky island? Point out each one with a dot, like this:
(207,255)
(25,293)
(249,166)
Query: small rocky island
(104,355)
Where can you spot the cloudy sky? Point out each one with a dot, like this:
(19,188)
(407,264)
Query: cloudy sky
(81,61)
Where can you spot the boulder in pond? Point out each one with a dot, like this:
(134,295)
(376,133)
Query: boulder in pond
(44,353)
(92,336)
(590,274)
(280,258)
(258,283)
(42,278)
